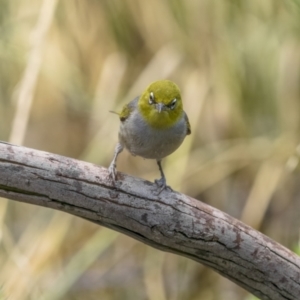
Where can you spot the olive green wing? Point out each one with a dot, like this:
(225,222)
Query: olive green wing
(188,125)
(127,109)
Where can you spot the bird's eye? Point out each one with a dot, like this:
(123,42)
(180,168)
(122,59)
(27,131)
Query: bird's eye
(172,104)
(151,98)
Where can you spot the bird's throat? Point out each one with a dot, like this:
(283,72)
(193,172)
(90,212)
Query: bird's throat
(160,120)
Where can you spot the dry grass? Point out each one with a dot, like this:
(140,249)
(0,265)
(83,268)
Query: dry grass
(238,66)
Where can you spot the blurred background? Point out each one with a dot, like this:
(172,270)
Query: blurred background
(65,64)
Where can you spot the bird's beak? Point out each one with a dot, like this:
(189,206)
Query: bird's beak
(160,107)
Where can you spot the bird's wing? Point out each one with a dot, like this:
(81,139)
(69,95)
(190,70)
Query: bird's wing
(127,109)
(188,130)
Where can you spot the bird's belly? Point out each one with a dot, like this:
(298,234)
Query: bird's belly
(151,143)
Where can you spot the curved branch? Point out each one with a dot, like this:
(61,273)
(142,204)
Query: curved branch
(170,222)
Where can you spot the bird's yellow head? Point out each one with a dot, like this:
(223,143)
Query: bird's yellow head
(160,104)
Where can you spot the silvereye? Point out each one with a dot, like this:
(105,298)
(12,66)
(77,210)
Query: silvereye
(153,126)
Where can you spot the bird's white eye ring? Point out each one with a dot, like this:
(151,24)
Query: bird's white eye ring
(173,103)
(151,98)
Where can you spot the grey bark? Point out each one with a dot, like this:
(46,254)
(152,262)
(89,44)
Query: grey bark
(171,222)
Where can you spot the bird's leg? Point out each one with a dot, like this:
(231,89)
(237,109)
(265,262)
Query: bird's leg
(162,183)
(112,167)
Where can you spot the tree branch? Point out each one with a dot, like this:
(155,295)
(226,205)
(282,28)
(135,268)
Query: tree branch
(170,222)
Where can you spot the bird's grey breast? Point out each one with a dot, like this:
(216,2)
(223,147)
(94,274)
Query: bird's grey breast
(143,140)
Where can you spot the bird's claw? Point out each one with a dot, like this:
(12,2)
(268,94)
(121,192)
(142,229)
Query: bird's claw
(162,184)
(112,172)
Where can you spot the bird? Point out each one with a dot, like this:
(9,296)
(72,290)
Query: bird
(153,125)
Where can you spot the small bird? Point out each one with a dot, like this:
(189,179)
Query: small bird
(153,126)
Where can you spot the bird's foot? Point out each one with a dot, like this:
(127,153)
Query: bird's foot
(112,172)
(162,185)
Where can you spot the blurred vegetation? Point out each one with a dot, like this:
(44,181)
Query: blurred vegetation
(238,66)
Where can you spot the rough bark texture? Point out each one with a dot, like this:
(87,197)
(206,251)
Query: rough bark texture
(170,222)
